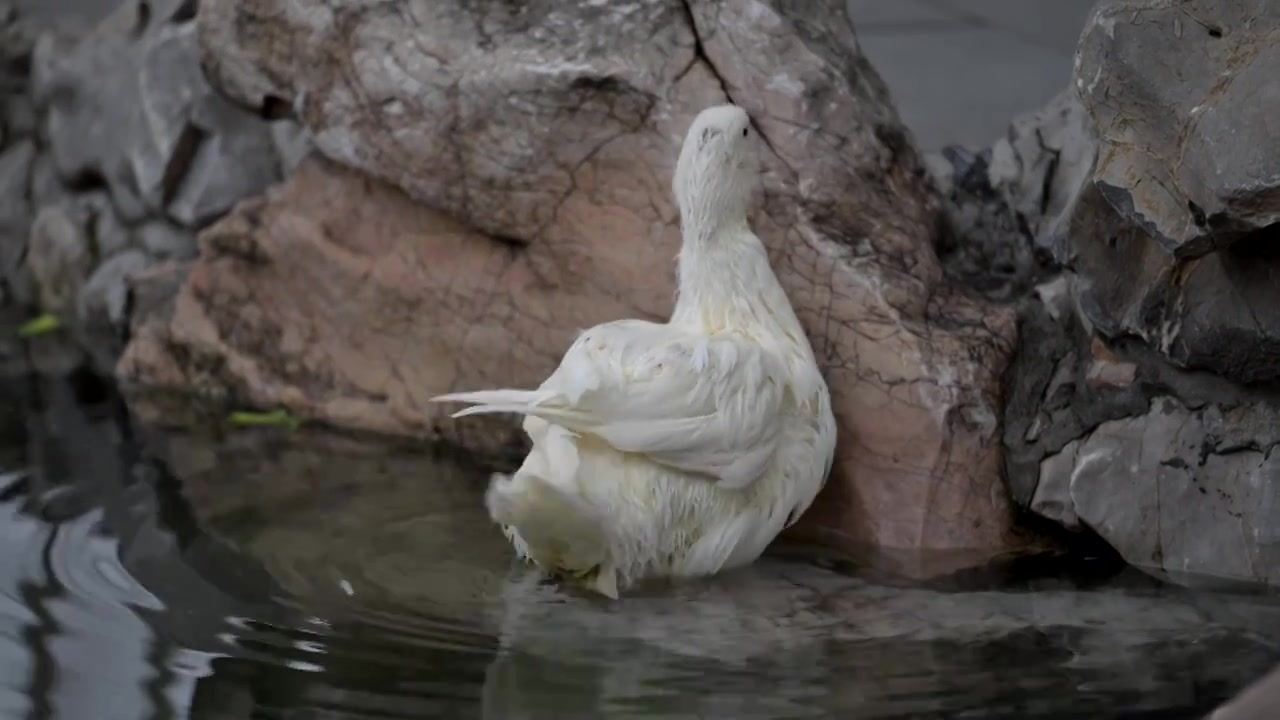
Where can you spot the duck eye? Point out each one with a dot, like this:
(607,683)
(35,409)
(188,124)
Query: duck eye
(745,131)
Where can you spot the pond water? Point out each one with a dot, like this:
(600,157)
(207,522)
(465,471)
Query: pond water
(311,574)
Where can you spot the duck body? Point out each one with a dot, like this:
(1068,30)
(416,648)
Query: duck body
(677,449)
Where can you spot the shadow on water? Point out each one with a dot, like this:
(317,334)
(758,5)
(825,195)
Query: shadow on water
(275,574)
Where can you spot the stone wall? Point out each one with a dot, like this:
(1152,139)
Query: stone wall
(114,153)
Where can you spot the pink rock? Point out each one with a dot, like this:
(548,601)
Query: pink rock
(498,180)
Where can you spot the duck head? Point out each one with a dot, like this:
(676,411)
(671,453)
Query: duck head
(717,169)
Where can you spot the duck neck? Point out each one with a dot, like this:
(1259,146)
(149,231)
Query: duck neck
(726,282)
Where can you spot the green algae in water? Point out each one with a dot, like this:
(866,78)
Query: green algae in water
(275,418)
(39,325)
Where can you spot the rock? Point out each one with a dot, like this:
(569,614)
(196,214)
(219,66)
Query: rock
(68,16)
(1183,98)
(1259,700)
(15,169)
(102,308)
(1141,404)
(153,293)
(1106,370)
(165,241)
(54,355)
(1174,237)
(170,77)
(106,234)
(1171,492)
(1170,467)
(226,166)
(1008,205)
(19,117)
(15,218)
(149,126)
(16,38)
(1219,312)
(292,145)
(1041,165)
(534,148)
(59,258)
(67,241)
(45,188)
(86,111)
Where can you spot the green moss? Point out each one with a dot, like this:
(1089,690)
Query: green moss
(275,418)
(39,325)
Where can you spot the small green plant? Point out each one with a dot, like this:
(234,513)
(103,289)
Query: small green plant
(275,418)
(39,325)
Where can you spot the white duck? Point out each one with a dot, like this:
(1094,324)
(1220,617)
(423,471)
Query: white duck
(677,449)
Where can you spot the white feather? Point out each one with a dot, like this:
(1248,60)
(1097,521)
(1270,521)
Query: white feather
(679,448)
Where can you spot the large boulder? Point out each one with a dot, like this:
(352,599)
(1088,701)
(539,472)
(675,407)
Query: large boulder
(1142,401)
(1178,244)
(1183,98)
(498,178)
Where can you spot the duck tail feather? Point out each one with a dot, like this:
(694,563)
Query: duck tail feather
(498,397)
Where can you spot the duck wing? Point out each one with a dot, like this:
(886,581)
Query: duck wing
(703,404)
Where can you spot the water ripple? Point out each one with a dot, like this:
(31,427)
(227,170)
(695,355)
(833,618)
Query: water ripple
(313,576)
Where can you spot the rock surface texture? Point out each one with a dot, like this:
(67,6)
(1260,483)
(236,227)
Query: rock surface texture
(1186,193)
(495,177)
(1144,402)
(114,152)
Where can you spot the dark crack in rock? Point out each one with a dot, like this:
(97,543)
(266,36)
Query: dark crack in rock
(1007,205)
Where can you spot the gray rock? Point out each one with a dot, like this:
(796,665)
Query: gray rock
(19,117)
(1219,312)
(16,163)
(102,309)
(68,16)
(45,187)
(89,113)
(104,231)
(164,241)
(234,158)
(128,202)
(292,142)
(169,82)
(16,36)
(1008,205)
(1171,493)
(59,257)
(1184,97)
(1171,467)
(15,219)
(1041,165)
(133,110)
(1173,236)
(55,354)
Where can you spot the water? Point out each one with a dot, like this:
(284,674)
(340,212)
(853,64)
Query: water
(269,574)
